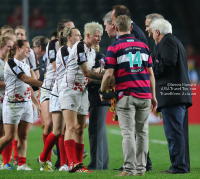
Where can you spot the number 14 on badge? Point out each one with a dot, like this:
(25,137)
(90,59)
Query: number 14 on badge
(137,59)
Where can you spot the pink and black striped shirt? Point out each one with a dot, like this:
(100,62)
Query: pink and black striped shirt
(131,59)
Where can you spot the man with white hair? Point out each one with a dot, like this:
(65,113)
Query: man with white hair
(171,74)
(149,19)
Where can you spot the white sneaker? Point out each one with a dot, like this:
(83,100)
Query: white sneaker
(49,163)
(63,168)
(47,167)
(41,168)
(44,168)
(24,167)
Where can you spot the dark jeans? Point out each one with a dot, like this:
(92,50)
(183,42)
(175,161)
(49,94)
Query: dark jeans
(99,159)
(173,119)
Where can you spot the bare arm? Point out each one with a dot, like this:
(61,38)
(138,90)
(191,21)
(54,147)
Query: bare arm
(2,84)
(29,80)
(37,74)
(33,74)
(107,78)
(89,73)
(96,70)
(153,91)
(35,101)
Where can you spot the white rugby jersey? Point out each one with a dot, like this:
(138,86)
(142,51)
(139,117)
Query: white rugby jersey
(74,77)
(61,60)
(2,90)
(31,60)
(50,76)
(16,90)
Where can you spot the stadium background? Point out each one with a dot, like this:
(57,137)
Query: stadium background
(183,15)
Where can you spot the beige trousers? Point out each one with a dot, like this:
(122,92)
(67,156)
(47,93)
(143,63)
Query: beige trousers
(132,116)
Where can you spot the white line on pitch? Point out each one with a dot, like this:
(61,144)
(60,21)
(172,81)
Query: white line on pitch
(116,132)
(158,141)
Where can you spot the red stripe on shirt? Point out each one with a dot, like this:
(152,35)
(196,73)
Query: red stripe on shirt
(127,44)
(133,84)
(111,60)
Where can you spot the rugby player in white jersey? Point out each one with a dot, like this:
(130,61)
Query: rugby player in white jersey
(17,104)
(6,44)
(49,80)
(20,32)
(73,94)
(67,38)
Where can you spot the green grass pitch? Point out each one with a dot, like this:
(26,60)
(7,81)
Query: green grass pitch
(157,147)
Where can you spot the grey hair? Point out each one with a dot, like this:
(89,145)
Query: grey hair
(107,18)
(41,41)
(162,25)
(154,16)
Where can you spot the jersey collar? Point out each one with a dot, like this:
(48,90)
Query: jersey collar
(126,36)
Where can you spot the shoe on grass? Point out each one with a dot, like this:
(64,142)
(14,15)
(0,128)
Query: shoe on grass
(47,167)
(7,167)
(122,174)
(74,166)
(63,168)
(24,167)
(84,170)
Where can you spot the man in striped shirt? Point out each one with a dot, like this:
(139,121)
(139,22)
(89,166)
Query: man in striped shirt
(129,60)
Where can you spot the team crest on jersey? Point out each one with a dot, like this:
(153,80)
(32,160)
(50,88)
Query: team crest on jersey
(66,58)
(82,57)
(17,70)
(51,54)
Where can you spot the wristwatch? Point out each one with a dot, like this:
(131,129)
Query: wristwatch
(99,91)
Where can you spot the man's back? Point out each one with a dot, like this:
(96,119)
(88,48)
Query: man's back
(131,59)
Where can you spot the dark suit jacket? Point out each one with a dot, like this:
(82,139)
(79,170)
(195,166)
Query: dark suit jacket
(138,33)
(171,73)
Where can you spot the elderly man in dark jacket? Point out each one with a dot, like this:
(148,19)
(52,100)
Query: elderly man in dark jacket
(172,91)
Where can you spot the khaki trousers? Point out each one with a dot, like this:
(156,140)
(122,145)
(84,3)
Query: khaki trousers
(132,116)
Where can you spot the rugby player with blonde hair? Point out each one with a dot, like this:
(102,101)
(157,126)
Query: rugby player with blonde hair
(73,93)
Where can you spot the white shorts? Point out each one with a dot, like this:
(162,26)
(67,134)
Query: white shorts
(44,95)
(1,111)
(74,100)
(54,104)
(14,112)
